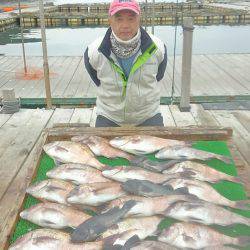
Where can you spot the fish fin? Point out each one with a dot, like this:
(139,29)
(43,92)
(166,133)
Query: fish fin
(187,174)
(182,190)
(102,208)
(130,242)
(225,159)
(129,204)
(188,239)
(139,152)
(194,219)
(243,205)
(235,179)
(137,160)
(243,241)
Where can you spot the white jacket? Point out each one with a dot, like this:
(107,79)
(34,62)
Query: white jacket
(122,100)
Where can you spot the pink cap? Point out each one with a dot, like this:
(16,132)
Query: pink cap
(118,5)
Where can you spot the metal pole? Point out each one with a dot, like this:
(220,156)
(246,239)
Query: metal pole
(21,26)
(45,56)
(186,63)
(153,18)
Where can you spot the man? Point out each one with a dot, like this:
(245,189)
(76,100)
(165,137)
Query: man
(126,66)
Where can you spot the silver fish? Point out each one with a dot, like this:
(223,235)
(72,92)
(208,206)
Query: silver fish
(188,153)
(49,239)
(152,245)
(205,213)
(144,144)
(147,206)
(95,194)
(77,173)
(195,236)
(54,215)
(201,172)
(72,152)
(93,227)
(205,192)
(124,173)
(101,147)
(51,190)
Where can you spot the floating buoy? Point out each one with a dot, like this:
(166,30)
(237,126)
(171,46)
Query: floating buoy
(8,9)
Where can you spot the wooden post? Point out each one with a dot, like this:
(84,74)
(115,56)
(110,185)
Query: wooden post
(186,63)
(22,38)
(153,18)
(45,56)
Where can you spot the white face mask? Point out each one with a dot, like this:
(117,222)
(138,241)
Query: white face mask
(125,49)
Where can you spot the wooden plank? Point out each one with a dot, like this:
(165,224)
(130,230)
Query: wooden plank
(11,203)
(241,136)
(81,115)
(32,88)
(244,118)
(60,116)
(61,86)
(181,133)
(202,117)
(182,118)
(241,82)
(78,79)
(93,118)
(58,67)
(21,146)
(4,118)
(167,116)
(10,130)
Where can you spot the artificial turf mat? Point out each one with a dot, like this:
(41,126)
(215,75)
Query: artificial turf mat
(232,191)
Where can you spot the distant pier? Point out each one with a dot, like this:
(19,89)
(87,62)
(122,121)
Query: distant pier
(97,14)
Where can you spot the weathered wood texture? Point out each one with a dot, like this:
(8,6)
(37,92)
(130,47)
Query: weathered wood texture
(224,74)
(22,140)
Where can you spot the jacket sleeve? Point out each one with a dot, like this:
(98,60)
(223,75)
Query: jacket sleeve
(92,72)
(162,66)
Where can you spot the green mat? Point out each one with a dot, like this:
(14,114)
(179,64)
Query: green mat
(232,191)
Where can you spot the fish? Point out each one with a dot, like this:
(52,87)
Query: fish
(51,239)
(148,188)
(205,213)
(51,190)
(201,172)
(72,152)
(154,166)
(54,215)
(95,226)
(124,173)
(101,147)
(188,153)
(207,193)
(143,227)
(77,173)
(147,206)
(95,194)
(196,236)
(144,144)
(152,245)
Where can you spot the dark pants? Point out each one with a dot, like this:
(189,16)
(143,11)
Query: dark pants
(156,120)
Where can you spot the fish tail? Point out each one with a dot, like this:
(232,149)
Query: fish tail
(103,208)
(189,143)
(129,204)
(236,179)
(137,160)
(225,159)
(243,241)
(243,205)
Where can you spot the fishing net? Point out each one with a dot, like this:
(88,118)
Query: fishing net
(32,73)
